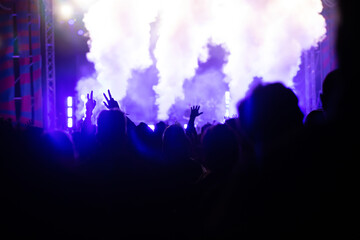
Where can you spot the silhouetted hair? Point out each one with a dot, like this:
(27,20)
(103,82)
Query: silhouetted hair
(176,144)
(269,111)
(331,90)
(111,125)
(314,119)
(220,148)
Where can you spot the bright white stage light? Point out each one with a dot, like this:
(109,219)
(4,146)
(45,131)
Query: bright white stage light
(69,101)
(152,126)
(71,22)
(69,112)
(66,11)
(69,122)
(185,126)
(83,4)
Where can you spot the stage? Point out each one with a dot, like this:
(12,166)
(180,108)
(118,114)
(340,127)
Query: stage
(50,52)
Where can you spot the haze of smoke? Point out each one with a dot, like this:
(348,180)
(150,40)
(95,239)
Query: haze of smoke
(85,86)
(263,38)
(119,41)
(268,40)
(212,99)
(184,32)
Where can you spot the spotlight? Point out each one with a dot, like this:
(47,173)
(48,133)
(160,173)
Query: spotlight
(69,108)
(69,122)
(71,21)
(185,126)
(66,11)
(69,112)
(152,126)
(80,32)
(69,101)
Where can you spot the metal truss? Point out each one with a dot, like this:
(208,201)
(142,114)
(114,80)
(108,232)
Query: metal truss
(50,82)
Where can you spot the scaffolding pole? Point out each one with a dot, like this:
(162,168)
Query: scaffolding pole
(50,83)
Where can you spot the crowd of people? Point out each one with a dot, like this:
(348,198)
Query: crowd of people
(269,172)
(265,172)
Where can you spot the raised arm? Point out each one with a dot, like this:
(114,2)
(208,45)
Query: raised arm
(90,105)
(110,102)
(191,124)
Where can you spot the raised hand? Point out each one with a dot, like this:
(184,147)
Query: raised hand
(90,104)
(110,102)
(195,112)
(190,130)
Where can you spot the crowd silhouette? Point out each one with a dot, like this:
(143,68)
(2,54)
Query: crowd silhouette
(270,172)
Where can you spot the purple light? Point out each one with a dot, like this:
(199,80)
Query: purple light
(71,21)
(80,32)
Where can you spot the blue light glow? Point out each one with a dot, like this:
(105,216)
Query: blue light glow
(80,32)
(71,21)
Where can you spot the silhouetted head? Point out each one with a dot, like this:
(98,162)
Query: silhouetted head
(144,133)
(331,93)
(269,112)
(204,128)
(142,139)
(160,128)
(220,148)
(232,122)
(111,126)
(314,119)
(144,128)
(176,145)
